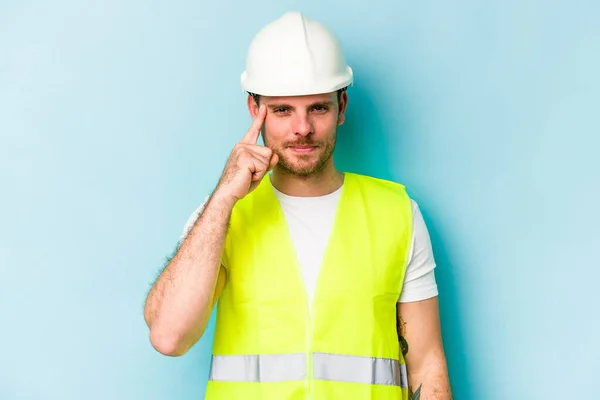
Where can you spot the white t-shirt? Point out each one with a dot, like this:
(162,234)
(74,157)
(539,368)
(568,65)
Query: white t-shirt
(310,220)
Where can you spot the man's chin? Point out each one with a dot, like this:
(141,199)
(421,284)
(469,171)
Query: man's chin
(300,168)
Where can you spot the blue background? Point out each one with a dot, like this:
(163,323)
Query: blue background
(116,119)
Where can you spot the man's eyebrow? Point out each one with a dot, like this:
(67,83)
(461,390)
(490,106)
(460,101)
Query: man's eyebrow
(274,106)
(279,105)
(326,103)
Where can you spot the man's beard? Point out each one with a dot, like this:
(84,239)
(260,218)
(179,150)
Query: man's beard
(300,164)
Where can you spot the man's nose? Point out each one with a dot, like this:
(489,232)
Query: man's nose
(302,125)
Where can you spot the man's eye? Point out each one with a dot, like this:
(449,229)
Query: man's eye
(279,110)
(320,108)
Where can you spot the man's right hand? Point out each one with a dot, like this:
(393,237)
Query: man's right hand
(248,163)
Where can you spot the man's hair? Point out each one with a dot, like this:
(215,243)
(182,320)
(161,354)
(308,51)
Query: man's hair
(257,96)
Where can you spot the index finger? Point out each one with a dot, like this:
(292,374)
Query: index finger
(251,136)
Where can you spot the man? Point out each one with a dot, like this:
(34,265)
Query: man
(324,279)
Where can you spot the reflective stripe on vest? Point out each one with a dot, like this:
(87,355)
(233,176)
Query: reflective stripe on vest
(258,368)
(292,367)
(369,370)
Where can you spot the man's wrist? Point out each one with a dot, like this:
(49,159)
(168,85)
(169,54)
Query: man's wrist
(223,199)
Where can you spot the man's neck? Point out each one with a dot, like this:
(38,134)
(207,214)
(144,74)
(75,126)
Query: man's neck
(327,181)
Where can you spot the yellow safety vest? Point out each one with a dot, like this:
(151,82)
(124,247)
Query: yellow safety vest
(270,344)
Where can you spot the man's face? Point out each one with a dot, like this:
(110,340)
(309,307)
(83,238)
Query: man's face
(302,130)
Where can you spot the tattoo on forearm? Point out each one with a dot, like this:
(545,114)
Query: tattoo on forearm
(414,395)
(401,327)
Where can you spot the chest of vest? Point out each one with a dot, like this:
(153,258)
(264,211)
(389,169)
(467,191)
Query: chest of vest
(271,344)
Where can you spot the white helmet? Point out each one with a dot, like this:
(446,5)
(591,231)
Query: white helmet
(294,56)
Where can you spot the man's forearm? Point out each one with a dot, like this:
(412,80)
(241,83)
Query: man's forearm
(431,382)
(179,304)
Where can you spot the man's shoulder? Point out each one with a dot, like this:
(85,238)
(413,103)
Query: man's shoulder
(378,184)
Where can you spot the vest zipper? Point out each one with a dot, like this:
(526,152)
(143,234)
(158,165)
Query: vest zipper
(309,309)
(307,313)
(309,334)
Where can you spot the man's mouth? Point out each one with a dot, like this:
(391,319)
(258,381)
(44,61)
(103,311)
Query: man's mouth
(303,149)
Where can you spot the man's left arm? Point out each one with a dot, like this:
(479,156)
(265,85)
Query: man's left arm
(421,343)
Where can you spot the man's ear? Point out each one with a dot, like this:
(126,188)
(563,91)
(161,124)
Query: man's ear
(342,107)
(252,106)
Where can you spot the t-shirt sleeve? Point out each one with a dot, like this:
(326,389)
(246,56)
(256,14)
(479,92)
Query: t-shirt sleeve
(192,220)
(419,280)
